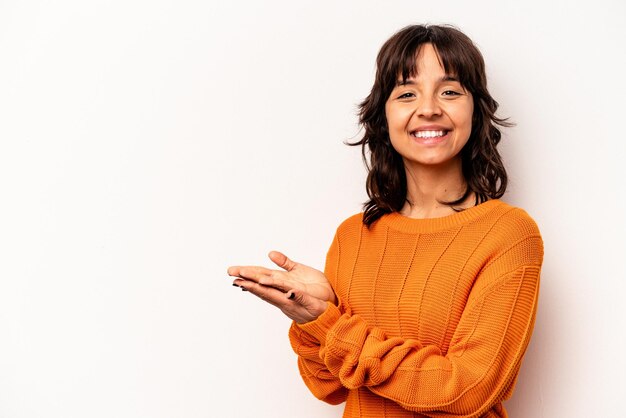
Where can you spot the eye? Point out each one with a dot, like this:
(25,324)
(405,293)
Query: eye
(406,96)
(451,93)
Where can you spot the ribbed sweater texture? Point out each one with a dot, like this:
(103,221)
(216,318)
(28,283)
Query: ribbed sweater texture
(434,315)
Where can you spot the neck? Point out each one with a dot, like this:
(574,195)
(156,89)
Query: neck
(429,185)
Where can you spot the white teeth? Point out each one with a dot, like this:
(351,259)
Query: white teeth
(428,134)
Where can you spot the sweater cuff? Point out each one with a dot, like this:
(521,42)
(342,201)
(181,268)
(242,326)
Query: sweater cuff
(320,327)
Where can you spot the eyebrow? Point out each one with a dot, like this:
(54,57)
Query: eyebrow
(410,81)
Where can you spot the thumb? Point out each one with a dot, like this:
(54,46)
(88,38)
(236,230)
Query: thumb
(281,260)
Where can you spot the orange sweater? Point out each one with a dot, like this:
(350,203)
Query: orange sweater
(434,315)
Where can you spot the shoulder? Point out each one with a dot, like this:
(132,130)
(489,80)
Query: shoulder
(514,235)
(351,223)
(350,229)
(514,222)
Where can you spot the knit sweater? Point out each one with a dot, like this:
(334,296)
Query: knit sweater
(434,315)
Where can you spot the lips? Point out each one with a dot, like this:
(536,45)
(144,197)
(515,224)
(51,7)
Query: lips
(430,136)
(429,133)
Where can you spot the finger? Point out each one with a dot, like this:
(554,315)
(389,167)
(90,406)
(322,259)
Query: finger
(301,298)
(236,270)
(292,309)
(268,294)
(254,273)
(281,260)
(239,282)
(279,280)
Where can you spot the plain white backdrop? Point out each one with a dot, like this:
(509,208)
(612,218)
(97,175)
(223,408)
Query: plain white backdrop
(147,145)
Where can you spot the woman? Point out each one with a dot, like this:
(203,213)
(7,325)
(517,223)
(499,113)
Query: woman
(428,298)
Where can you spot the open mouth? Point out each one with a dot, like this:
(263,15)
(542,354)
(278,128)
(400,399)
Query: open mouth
(429,134)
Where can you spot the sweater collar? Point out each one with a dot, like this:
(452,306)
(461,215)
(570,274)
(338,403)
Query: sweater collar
(403,223)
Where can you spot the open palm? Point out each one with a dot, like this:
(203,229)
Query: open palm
(294,276)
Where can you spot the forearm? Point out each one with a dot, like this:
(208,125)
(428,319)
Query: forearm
(473,375)
(320,381)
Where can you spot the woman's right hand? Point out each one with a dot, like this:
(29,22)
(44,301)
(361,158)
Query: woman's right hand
(295,276)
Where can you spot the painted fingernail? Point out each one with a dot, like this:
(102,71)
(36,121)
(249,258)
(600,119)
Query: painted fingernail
(293,295)
(236,285)
(243,289)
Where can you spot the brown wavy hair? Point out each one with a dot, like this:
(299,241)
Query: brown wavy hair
(482,165)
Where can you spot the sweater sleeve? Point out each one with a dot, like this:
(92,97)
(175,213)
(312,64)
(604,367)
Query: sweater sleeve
(481,363)
(320,381)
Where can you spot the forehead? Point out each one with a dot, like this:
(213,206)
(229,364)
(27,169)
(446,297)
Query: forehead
(426,61)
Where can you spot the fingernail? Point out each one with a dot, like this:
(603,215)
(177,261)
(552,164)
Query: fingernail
(243,289)
(293,295)
(236,285)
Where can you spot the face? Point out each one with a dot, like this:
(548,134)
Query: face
(430,116)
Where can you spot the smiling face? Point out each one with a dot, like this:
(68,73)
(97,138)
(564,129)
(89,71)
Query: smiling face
(429,116)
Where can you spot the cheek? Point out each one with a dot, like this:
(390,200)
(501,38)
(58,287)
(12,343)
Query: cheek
(468,125)
(466,118)
(389,116)
(471,115)
(397,119)
(470,122)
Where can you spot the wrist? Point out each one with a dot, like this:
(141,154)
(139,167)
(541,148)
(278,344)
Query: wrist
(319,327)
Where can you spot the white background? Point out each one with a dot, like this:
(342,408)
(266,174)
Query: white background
(147,145)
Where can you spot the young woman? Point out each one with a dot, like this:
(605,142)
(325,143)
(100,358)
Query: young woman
(428,298)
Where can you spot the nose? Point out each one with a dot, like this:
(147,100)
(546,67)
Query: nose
(428,106)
